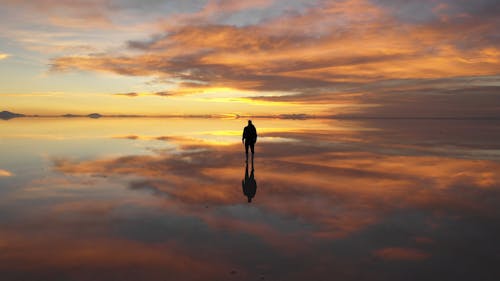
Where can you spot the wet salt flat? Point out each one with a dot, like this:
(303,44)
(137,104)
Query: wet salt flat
(162,199)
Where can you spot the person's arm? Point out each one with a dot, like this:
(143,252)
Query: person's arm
(243,136)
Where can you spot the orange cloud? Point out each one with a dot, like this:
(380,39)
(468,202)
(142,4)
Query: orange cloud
(335,49)
(75,14)
(5,173)
(371,50)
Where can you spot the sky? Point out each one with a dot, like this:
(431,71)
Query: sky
(368,58)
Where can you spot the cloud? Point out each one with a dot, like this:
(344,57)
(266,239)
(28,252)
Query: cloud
(129,137)
(481,101)
(4,56)
(160,93)
(5,173)
(131,94)
(163,94)
(327,50)
(67,13)
(401,254)
(463,97)
(361,57)
(444,11)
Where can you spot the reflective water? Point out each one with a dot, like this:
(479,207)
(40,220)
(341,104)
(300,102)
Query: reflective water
(167,199)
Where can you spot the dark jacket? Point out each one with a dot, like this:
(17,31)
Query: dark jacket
(250,133)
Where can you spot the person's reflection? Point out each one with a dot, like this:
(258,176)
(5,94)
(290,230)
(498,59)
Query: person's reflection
(249,184)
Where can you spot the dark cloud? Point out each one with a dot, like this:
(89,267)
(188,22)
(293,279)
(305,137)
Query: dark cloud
(131,94)
(428,10)
(164,94)
(161,94)
(441,98)
(471,102)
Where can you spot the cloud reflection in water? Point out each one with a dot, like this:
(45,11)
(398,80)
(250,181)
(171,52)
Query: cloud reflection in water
(374,203)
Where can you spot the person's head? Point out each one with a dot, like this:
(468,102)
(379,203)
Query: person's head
(249,122)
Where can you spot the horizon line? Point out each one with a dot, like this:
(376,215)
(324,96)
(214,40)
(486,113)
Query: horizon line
(293,116)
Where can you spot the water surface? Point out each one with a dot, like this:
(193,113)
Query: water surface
(162,199)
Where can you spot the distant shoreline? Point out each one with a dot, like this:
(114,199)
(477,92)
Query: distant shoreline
(6,115)
(260,117)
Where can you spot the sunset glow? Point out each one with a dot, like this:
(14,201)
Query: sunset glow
(439,58)
(270,140)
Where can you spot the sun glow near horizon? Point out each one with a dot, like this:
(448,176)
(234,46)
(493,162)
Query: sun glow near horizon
(361,57)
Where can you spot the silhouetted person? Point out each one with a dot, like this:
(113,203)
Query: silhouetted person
(249,138)
(249,184)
